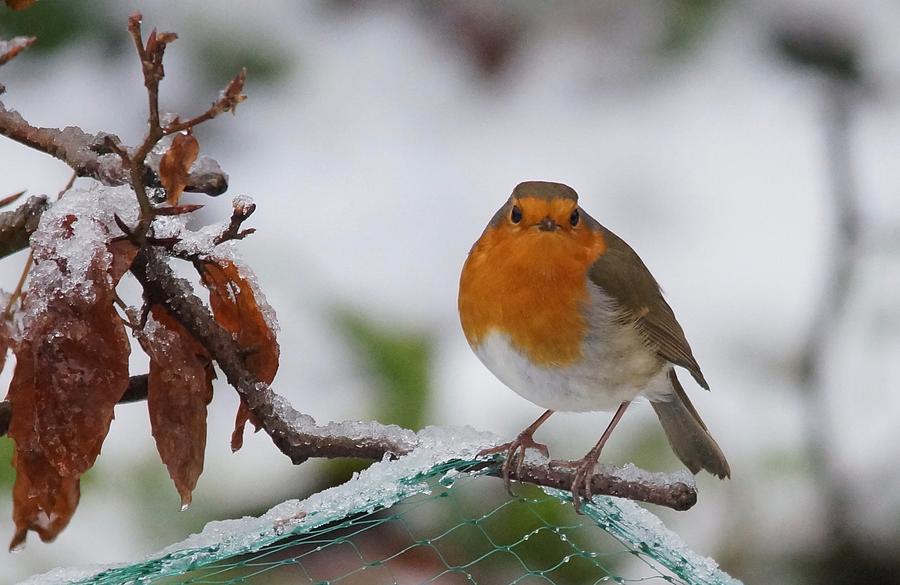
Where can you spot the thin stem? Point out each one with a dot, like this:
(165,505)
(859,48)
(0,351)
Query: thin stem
(8,311)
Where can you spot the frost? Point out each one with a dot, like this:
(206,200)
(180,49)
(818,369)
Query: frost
(242,201)
(643,531)
(110,170)
(304,424)
(633,474)
(247,274)
(71,243)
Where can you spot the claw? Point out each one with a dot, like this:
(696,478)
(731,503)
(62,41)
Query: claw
(581,481)
(515,455)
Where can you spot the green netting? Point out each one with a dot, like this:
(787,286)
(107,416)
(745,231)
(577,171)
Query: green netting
(443,526)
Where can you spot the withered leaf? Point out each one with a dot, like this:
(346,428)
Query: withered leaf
(71,369)
(123,253)
(241,419)
(43,501)
(179,388)
(235,307)
(175,164)
(19,4)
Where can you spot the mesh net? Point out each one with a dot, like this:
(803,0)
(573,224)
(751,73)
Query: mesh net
(446,525)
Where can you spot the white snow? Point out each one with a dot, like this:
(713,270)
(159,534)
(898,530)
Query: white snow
(206,165)
(71,242)
(305,424)
(632,473)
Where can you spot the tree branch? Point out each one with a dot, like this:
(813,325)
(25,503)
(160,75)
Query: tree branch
(89,155)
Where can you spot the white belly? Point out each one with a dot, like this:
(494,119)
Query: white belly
(617,367)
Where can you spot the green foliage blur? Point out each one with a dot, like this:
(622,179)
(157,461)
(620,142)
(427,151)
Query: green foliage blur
(397,363)
(217,55)
(57,24)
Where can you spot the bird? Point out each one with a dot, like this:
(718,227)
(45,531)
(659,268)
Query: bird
(567,315)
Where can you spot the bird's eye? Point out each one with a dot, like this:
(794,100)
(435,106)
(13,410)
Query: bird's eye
(574,218)
(516,215)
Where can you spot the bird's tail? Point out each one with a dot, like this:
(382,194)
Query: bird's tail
(687,434)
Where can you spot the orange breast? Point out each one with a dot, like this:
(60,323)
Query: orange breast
(531,286)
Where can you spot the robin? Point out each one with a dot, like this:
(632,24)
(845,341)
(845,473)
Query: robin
(567,315)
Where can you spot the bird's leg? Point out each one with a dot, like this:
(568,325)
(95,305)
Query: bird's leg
(515,449)
(584,467)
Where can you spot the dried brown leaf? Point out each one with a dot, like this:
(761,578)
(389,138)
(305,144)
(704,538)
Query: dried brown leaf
(241,419)
(179,387)
(123,252)
(19,4)
(235,308)
(71,369)
(43,501)
(175,164)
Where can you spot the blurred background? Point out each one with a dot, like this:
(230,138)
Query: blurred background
(747,150)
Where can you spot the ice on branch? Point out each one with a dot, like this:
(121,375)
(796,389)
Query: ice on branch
(634,474)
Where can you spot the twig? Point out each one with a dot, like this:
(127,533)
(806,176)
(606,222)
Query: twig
(8,311)
(151,56)
(17,226)
(10,199)
(229,99)
(241,211)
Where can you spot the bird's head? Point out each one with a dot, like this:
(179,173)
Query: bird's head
(539,208)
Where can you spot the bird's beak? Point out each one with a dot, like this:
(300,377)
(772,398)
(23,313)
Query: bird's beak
(547,225)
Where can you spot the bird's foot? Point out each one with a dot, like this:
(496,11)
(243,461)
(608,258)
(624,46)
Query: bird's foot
(581,481)
(515,454)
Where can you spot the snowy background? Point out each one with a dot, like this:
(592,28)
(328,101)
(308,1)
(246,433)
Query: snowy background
(378,140)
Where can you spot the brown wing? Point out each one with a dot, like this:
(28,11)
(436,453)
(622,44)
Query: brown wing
(624,277)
